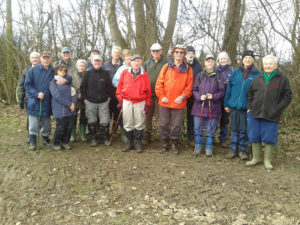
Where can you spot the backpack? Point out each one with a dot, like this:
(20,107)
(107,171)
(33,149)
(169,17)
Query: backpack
(189,67)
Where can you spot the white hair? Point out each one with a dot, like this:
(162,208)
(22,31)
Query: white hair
(32,54)
(80,61)
(270,57)
(116,48)
(224,55)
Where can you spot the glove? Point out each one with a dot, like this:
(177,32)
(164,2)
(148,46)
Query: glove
(21,104)
(147,107)
(120,105)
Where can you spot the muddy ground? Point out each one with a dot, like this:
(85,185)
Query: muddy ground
(102,185)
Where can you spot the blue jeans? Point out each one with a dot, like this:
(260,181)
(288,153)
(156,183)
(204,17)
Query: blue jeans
(35,124)
(211,126)
(239,138)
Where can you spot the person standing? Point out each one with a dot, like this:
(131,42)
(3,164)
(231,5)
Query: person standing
(208,93)
(224,69)
(269,94)
(67,61)
(173,87)
(153,66)
(93,52)
(39,99)
(96,91)
(197,68)
(134,94)
(235,103)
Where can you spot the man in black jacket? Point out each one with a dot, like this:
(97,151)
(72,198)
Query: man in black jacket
(269,94)
(96,91)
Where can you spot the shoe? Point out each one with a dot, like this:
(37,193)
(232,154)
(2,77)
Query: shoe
(93,132)
(138,139)
(257,155)
(243,155)
(45,141)
(32,143)
(130,137)
(67,146)
(104,131)
(82,129)
(174,146)
(94,143)
(223,144)
(106,142)
(56,147)
(208,153)
(268,157)
(230,155)
(165,147)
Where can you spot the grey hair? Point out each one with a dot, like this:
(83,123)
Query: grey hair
(34,54)
(116,48)
(225,55)
(80,61)
(270,57)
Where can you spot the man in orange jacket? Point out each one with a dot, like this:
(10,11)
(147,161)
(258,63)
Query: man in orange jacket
(173,87)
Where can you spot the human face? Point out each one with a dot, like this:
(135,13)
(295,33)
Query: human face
(35,60)
(248,61)
(66,56)
(223,61)
(190,55)
(156,54)
(128,60)
(97,64)
(81,68)
(46,61)
(116,55)
(136,64)
(269,65)
(178,54)
(209,65)
(62,72)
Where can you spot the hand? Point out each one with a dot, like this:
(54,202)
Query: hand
(41,95)
(72,107)
(147,107)
(164,100)
(209,96)
(61,81)
(120,104)
(227,109)
(179,99)
(79,96)
(203,97)
(21,104)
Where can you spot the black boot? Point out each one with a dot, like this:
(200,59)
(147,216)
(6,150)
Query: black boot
(130,137)
(138,139)
(104,130)
(93,132)
(32,142)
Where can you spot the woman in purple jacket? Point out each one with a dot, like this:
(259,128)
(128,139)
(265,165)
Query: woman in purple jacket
(208,92)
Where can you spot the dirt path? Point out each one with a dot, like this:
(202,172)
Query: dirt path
(105,186)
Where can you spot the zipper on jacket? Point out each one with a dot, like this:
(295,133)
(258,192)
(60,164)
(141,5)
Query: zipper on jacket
(240,93)
(265,93)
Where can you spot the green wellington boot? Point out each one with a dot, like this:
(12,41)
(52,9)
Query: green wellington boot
(82,132)
(257,155)
(268,156)
(73,135)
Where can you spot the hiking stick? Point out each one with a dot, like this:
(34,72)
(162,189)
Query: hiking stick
(209,111)
(115,127)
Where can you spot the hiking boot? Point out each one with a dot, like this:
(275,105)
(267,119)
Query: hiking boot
(196,151)
(230,155)
(174,146)
(165,147)
(139,138)
(56,147)
(45,141)
(129,144)
(104,131)
(123,135)
(32,143)
(94,143)
(93,132)
(67,146)
(243,155)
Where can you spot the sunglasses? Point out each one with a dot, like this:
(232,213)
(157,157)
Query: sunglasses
(179,52)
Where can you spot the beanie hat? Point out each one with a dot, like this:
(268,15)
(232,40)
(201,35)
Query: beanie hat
(248,53)
(190,49)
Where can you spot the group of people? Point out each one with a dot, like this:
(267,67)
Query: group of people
(250,100)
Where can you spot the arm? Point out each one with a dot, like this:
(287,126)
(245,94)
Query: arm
(286,95)
(196,92)
(21,88)
(29,85)
(116,77)
(159,86)
(220,92)
(250,96)
(187,91)
(120,87)
(83,86)
(228,93)
(148,90)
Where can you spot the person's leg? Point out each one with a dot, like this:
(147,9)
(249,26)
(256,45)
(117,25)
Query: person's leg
(211,127)
(45,129)
(91,110)
(164,123)
(139,124)
(234,134)
(198,137)
(190,119)
(103,113)
(33,128)
(82,122)
(128,123)
(177,116)
(73,133)
(224,122)
(148,121)
(69,124)
(243,137)
(59,133)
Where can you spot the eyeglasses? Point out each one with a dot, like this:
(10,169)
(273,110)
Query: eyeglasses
(179,52)
(66,52)
(155,50)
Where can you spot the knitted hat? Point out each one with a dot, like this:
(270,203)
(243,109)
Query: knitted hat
(248,53)
(190,49)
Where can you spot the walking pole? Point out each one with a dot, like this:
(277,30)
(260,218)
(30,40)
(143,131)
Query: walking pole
(209,111)
(115,127)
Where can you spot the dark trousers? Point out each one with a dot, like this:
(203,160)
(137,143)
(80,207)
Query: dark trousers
(114,111)
(239,139)
(82,117)
(63,130)
(190,119)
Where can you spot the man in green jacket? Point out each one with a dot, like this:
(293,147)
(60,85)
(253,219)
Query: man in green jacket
(153,66)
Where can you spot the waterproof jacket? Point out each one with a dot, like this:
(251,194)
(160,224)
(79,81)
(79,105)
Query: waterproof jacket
(153,68)
(236,95)
(37,80)
(173,82)
(96,86)
(209,84)
(61,99)
(117,75)
(71,66)
(76,82)
(197,68)
(224,73)
(134,89)
(21,89)
(268,100)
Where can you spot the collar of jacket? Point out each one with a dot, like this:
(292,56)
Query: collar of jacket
(142,71)
(160,58)
(183,66)
(251,70)
(40,67)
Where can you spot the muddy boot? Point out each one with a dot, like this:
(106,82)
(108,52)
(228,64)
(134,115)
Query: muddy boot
(73,134)
(208,146)
(164,145)
(147,138)
(198,145)
(230,155)
(268,157)
(138,139)
(257,154)
(93,132)
(46,141)
(82,132)
(174,146)
(129,144)
(32,143)
(104,130)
